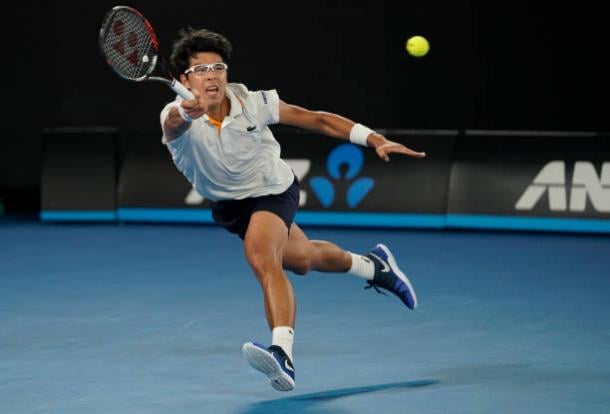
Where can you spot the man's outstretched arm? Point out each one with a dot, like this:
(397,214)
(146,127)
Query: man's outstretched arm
(337,126)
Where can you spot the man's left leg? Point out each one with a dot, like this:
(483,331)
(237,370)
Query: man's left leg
(378,267)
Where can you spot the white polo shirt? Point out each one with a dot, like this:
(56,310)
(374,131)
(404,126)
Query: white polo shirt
(240,159)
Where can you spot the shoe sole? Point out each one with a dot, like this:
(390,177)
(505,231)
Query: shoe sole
(398,272)
(261,360)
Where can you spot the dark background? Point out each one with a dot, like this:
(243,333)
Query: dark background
(512,65)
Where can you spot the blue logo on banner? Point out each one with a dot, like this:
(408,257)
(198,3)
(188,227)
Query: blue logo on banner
(346,155)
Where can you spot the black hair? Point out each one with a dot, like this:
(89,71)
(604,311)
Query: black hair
(192,41)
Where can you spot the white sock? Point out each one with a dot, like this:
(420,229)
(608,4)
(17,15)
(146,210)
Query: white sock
(362,267)
(283,336)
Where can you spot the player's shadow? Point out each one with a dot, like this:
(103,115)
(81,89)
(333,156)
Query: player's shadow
(312,403)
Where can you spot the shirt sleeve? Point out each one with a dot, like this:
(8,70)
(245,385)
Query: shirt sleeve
(177,146)
(268,106)
(164,115)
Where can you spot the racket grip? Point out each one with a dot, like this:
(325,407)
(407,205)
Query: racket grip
(181,90)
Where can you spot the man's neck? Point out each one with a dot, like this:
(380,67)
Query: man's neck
(221,111)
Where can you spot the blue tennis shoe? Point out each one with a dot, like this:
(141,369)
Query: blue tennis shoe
(389,276)
(273,362)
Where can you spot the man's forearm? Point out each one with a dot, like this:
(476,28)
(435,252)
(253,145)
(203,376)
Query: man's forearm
(175,125)
(334,125)
(340,127)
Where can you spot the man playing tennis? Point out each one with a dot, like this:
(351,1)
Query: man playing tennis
(221,142)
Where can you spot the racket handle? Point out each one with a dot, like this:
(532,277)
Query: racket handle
(181,90)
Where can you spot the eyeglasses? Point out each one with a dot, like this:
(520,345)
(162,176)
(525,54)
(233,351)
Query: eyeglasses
(205,68)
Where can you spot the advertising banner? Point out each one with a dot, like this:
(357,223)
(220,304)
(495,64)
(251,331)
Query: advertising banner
(518,180)
(341,183)
(530,180)
(78,179)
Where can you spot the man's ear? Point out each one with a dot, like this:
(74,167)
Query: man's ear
(184,80)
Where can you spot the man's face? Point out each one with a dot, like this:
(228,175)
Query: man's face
(210,82)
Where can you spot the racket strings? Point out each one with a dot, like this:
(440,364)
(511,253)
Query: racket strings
(128,44)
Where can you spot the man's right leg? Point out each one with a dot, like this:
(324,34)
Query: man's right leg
(264,243)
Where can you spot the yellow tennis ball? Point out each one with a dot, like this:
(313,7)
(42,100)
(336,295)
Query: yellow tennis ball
(417,46)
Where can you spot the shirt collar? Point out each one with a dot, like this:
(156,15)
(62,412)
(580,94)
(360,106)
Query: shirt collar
(236,107)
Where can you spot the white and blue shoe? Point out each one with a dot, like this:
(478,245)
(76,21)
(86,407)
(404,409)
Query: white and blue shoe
(273,362)
(389,276)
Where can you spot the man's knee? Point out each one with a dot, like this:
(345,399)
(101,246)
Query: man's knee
(258,261)
(301,266)
(262,262)
(301,260)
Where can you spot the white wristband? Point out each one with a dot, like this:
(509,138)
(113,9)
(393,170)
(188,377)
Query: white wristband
(184,115)
(359,134)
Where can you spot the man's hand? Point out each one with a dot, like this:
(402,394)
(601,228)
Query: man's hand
(195,108)
(385,147)
(175,124)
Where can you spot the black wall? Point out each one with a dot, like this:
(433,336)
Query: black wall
(508,65)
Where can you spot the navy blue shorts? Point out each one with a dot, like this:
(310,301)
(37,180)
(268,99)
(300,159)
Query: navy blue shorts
(234,215)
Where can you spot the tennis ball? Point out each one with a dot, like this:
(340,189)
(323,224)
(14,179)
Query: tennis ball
(417,46)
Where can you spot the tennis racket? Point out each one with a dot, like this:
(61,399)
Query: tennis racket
(130,46)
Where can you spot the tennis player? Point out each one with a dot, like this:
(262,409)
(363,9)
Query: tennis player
(222,143)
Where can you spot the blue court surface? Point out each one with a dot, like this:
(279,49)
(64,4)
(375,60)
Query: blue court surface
(136,318)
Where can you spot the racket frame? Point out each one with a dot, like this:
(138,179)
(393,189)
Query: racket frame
(170,81)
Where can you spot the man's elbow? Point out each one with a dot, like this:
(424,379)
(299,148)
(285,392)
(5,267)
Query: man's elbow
(324,122)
